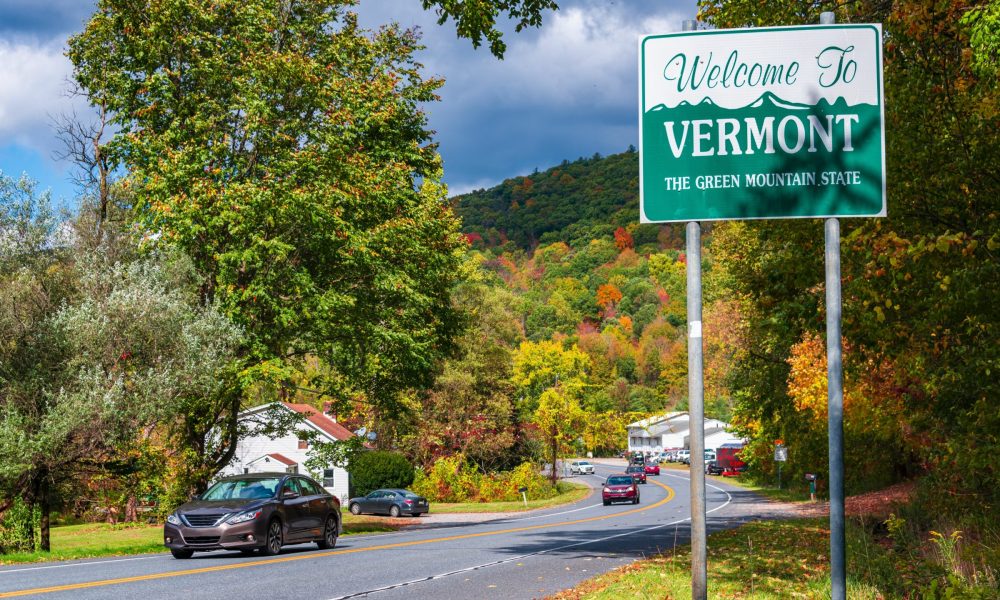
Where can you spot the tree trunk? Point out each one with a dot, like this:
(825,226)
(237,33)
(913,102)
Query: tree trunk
(132,509)
(45,507)
(555,455)
(30,528)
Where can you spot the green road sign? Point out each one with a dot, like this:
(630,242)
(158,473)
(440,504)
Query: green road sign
(782,122)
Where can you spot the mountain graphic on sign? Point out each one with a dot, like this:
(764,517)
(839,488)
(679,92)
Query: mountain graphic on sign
(767,100)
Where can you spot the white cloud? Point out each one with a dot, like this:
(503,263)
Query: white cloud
(582,56)
(33,85)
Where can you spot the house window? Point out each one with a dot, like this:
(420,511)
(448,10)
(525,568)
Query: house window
(327,477)
(293,469)
(303,444)
(246,470)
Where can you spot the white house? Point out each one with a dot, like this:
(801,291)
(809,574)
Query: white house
(673,430)
(659,432)
(288,453)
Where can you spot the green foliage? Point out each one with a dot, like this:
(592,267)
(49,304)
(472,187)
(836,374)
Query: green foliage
(574,203)
(453,479)
(379,469)
(478,20)
(284,150)
(984,37)
(19,528)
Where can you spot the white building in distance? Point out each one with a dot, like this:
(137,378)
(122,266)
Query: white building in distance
(673,430)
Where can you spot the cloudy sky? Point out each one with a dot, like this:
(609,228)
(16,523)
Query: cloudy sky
(563,91)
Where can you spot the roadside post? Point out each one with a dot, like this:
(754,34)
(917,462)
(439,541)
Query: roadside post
(811,478)
(762,123)
(524,495)
(780,457)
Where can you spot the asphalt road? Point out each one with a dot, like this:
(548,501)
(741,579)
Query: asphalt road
(524,557)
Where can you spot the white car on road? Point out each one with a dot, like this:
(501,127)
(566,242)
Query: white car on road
(581,467)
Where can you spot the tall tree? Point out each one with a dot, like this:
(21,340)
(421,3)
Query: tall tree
(91,350)
(283,148)
(919,286)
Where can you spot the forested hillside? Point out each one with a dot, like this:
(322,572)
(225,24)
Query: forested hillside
(574,202)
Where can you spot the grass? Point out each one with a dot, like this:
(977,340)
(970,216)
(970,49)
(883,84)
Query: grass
(763,560)
(569,492)
(783,495)
(92,540)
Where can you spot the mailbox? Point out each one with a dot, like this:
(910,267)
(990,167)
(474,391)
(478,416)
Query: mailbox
(810,477)
(522,489)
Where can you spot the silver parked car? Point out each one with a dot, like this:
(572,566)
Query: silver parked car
(581,467)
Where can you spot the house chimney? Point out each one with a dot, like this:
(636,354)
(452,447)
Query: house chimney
(327,407)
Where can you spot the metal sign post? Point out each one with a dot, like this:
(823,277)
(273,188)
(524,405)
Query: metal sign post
(835,399)
(696,407)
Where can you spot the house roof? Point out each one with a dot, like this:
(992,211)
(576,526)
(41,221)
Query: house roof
(321,421)
(276,456)
(648,422)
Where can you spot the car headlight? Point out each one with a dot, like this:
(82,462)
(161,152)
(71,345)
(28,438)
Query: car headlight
(243,517)
(608,490)
(173,519)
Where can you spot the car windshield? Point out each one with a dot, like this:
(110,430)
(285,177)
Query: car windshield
(583,463)
(250,489)
(410,496)
(634,470)
(619,480)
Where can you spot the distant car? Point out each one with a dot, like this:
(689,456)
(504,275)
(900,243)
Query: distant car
(263,511)
(652,469)
(637,458)
(620,488)
(714,468)
(581,467)
(392,502)
(638,472)
(683,456)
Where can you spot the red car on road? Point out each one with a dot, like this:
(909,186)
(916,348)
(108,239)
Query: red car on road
(638,472)
(620,488)
(652,469)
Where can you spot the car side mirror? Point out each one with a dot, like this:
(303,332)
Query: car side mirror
(289,495)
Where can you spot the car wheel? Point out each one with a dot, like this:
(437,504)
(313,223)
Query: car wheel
(636,500)
(417,514)
(607,503)
(329,534)
(182,554)
(273,540)
(394,511)
(355,509)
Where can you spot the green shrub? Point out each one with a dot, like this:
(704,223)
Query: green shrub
(377,469)
(453,479)
(17,527)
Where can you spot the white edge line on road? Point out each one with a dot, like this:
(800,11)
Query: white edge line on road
(81,564)
(393,586)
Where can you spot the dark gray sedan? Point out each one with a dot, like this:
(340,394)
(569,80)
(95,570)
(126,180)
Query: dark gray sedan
(254,512)
(393,502)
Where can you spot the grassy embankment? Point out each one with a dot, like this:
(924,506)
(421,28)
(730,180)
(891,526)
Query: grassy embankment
(101,539)
(91,540)
(888,557)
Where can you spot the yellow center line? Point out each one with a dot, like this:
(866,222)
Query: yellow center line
(314,555)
